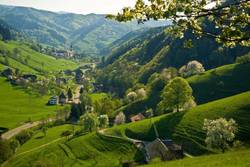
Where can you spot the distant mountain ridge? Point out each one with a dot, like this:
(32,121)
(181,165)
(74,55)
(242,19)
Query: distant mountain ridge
(88,34)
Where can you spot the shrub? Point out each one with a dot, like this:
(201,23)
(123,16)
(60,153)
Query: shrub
(66,133)
(104,121)
(24,136)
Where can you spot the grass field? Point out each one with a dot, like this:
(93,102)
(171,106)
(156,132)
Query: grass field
(30,61)
(221,82)
(16,106)
(186,127)
(231,159)
(39,139)
(89,150)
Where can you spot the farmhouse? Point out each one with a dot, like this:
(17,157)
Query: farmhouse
(137,117)
(164,149)
(30,77)
(62,98)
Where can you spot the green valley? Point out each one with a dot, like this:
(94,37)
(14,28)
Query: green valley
(124,83)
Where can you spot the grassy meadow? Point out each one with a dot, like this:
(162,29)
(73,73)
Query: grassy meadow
(30,61)
(17,106)
(230,159)
(88,150)
(186,127)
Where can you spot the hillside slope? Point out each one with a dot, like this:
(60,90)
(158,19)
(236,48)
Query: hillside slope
(212,85)
(19,55)
(230,159)
(186,127)
(88,150)
(138,56)
(95,149)
(17,106)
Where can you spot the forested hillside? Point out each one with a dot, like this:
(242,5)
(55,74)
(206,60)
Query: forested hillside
(140,54)
(88,34)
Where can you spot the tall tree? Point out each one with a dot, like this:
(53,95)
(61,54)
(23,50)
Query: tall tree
(176,93)
(70,94)
(230,18)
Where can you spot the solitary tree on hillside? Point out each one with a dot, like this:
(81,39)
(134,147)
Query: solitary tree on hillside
(220,133)
(176,93)
(230,19)
(90,121)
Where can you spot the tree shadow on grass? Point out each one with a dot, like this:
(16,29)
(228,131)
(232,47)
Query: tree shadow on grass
(165,127)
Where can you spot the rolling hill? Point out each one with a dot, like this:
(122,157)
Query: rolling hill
(212,85)
(18,105)
(19,55)
(95,149)
(186,127)
(88,34)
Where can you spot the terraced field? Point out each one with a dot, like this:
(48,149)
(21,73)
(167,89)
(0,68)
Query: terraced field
(90,150)
(186,127)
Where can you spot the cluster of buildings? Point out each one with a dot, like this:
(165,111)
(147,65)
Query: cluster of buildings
(17,79)
(64,53)
(61,99)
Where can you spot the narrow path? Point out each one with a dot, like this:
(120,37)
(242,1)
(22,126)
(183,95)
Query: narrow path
(77,95)
(11,133)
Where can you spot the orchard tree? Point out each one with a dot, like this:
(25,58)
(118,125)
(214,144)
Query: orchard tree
(220,133)
(90,121)
(176,93)
(120,119)
(229,18)
(141,93)
(132,96)
(192,68)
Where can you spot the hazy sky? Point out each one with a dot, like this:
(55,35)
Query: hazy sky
(75,6)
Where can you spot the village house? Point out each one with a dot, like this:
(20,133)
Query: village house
(53,100)
(137,117)
(30,77)
(63,98)
(164,149)
(7,73)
